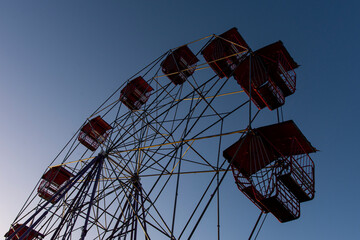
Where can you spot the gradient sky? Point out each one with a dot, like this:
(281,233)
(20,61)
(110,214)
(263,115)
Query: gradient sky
(60,59)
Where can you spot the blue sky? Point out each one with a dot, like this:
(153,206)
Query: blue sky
(60,59)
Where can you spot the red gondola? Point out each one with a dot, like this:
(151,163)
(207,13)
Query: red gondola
(280,66)
(264,91)
(225,52)
(179,65)
(31,235)
(136,93)
(272,76)
(272,168)
(297,172)
(52,181)
(94,133)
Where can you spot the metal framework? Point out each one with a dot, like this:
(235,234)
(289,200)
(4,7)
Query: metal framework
(155,174)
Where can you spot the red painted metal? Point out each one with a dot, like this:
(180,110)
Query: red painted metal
(298,176)
(282,203)
(246,187)
(52,181)
(31,235)
(250,154)
(272,167)
(298,168)
(225,52)
(136,93)
(281,135)
(46,190)
(94,133)
(58,175)
(258,75)
(272,75)
(264,90)
(179,65)
(280,66)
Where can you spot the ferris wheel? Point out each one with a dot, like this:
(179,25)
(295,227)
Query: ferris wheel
(149,162)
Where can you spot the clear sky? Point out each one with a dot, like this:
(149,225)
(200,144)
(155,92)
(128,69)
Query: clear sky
(60,59)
